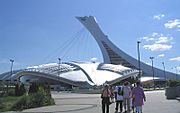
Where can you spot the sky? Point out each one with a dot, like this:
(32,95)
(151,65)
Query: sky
(35,32)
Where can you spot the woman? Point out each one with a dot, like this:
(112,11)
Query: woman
(139,97)
(105,95)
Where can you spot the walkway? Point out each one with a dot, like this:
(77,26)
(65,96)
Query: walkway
(91,103)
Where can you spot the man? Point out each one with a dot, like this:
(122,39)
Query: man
(126,96)
(119,98)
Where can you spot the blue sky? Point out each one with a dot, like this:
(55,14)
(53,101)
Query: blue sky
(34,32)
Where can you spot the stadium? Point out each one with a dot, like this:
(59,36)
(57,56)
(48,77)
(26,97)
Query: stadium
(116,67)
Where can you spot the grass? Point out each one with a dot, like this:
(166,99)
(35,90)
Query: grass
(6,102)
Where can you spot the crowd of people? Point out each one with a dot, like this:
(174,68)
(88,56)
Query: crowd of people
(126,97)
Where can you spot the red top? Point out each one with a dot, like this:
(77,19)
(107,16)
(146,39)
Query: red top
(106,93)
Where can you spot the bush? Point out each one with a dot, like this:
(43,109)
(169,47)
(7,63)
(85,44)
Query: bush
(11,92)
(173,83)
(6,102)
(19,89)
(33,88)
(41,98)
(21,104)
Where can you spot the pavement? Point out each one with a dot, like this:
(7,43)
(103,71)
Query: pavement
(91,103)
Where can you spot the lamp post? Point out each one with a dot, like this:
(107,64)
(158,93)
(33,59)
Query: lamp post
(139,65)
(153,71)
(176,71)
(7,86)
(12,61)
(59,59)
(164,72)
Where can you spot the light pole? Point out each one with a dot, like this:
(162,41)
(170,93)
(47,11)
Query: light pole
(12,61)
(9,79)
(153,71)
(59,59)
(176,71)
(164,72)
(139,65)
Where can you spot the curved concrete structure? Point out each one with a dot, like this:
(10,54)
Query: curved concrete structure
(114,55)
(117,66)
(80,74)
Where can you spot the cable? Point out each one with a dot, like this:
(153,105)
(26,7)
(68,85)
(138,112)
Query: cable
(60,48)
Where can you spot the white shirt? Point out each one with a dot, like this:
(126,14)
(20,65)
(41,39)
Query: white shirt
(127,91)
(119,97)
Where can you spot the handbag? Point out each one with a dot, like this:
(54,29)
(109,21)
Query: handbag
(111,100)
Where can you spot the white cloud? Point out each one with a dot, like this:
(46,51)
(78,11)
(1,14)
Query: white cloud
(158,47)
(158,17)
(93,59)
(158,42)
(154,34)
(148,39)
(161,55)
(172,24)
(178,28)
(175,59)
(178,68)
(163,39)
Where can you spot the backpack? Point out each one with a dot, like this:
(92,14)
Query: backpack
(120,91)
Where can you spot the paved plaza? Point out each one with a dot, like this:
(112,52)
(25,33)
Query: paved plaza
(91,103)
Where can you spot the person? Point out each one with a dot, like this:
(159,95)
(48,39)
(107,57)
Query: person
(119,98)
(126,96)
(111,95)
(132,104)
(132,100)
(139,97)
(105,95)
